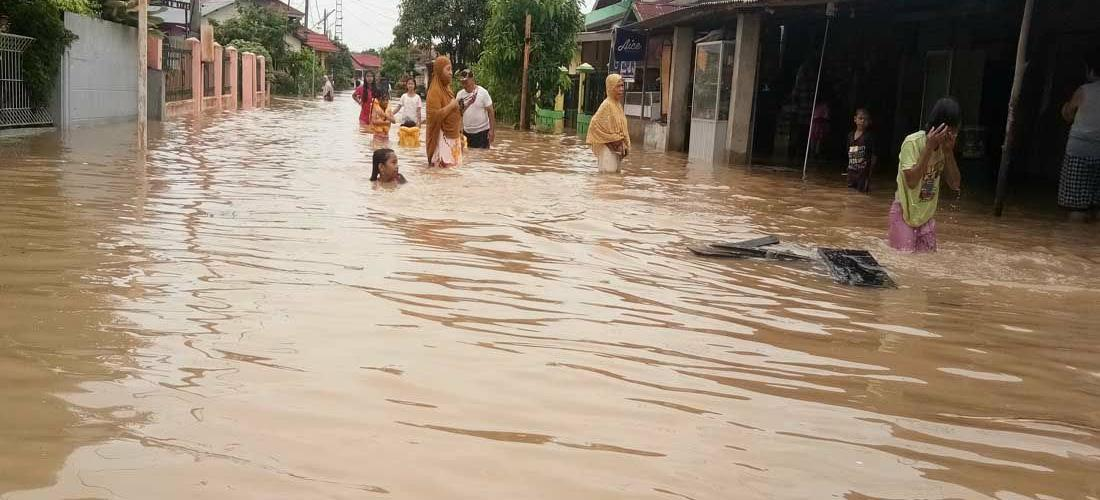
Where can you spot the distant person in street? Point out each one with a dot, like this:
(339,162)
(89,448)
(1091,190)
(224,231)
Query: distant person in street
(384,167)
(926,156)
(326,90)
(479,120)
(1079,185)
(861,152)
(608,134)
(358,83)
(381,118)
(444,137)
(364,96)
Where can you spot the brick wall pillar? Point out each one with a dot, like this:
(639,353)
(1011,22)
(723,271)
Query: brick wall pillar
(248,80)
(261,78)
(219,78)
(196,74)
(234,82)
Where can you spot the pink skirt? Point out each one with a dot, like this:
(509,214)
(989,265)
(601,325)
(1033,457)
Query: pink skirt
(906,238)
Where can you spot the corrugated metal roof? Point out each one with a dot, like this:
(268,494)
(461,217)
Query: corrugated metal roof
(648,9)
(607,15)
(692,10)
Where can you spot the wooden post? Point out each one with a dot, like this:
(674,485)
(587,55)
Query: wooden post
(1013,103)
(143,75)
(524,123)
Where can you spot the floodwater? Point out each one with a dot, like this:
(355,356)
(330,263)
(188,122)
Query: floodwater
(244,316)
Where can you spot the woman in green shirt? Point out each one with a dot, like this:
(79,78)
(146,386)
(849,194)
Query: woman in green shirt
(926,156)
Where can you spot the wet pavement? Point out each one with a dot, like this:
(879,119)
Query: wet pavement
(244,315)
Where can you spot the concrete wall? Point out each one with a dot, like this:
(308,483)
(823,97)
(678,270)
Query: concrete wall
(156,95)
(97,81)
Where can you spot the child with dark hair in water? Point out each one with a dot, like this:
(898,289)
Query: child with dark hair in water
(384,169)
(861,152)
(926,156)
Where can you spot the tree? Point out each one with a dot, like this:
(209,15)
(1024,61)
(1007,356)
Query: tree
(254,23)
(342,68)
(456,24)
(555,24)
(396,63)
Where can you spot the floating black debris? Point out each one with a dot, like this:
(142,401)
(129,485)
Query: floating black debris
(855,267)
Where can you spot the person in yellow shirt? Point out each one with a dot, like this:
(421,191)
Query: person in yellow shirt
(381,118)
(926,157)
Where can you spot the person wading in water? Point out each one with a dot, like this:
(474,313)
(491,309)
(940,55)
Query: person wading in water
(925,157)
(1079,185)
(608,134)
(444,137)
(364,96)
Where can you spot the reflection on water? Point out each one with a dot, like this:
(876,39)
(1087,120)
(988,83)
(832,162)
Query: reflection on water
(244,316)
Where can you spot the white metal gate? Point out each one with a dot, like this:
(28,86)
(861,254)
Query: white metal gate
(16,109)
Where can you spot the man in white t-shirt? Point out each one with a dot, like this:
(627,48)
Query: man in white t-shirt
(479,121)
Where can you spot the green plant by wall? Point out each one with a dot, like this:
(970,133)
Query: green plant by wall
(300,75)
(88,8)
(243,46)
(264,26)
(555,24)
(117,11)
(41,20)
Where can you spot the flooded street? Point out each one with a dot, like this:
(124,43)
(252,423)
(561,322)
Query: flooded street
(244,315)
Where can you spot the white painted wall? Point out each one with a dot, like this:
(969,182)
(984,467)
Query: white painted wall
(97,81)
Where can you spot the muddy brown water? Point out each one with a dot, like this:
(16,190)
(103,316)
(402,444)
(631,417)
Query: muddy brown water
(244,316)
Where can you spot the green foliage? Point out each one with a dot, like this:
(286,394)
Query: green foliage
(117,11)
(342,68)
(266,27)
(554,24)
(88,8)
(396,64)
(300,74)
(457,25)
(41,20)
(243,46)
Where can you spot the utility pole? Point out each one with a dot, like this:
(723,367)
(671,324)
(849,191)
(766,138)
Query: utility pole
(523,121)
(324,22)
(306,23)
(143,75)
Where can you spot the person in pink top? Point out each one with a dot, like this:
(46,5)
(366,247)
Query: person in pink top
(364,96)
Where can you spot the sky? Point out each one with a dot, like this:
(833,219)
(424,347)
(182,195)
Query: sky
(368,24)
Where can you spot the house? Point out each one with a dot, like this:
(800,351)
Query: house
(175,21)
(366,63)
(646,99)
(737,80)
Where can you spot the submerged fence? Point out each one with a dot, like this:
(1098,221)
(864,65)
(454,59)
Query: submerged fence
(16,109)
(177,70)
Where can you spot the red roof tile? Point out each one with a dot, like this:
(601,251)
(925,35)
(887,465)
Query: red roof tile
(316,41)
(363,61)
